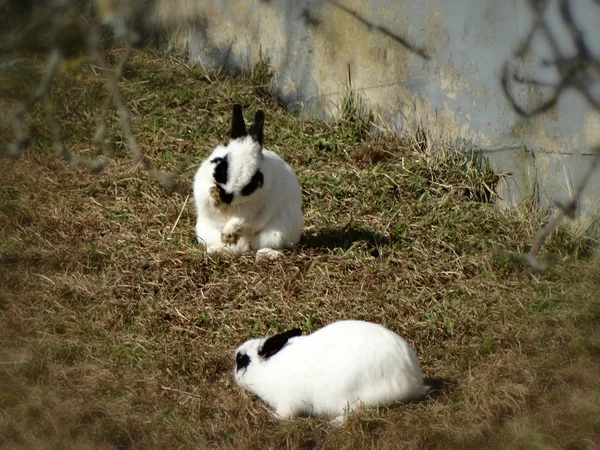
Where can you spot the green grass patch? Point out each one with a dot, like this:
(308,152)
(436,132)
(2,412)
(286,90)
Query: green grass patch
(117,330)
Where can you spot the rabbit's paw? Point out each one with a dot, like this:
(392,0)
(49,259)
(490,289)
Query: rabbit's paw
(268,253)
(231,232)
(214,194)
(230,238)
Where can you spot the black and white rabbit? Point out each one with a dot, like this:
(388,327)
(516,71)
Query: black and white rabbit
(247,198)
(331,371)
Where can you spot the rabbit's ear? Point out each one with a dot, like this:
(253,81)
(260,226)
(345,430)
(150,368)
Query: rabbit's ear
(256,130)
(276,343)
(238,126)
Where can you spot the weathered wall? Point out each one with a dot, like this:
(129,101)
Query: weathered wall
(316,46)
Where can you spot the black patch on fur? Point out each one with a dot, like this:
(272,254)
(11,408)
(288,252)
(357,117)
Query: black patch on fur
(256,130)
(221,171)
(276,343)
(225,196)
(256,182)
(241,361)
(238,126)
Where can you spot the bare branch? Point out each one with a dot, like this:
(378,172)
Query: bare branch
(579,72)
(524,47)
(166,179)
(76,40)
(548,104)
(18,118)
(112,85)
(532,81)
(582,48)
(566,210)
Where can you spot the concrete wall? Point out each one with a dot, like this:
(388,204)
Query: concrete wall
(316,46)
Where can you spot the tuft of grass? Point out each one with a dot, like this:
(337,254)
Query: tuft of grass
(261,76)
(355,117)
(578,237)
(118,330)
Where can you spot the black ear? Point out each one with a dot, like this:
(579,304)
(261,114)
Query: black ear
(256,130)
(276,343)
(238,126)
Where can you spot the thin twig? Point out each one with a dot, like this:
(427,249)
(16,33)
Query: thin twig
(179,216)
(564,210)
(189,394)
(61,18)
(18,118)
(112,85)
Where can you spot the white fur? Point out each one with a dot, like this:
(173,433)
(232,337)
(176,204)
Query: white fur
(333,371)
(270,218)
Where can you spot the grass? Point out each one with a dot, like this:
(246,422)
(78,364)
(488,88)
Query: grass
(117,330)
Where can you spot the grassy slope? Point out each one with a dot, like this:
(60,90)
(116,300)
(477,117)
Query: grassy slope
(117,330)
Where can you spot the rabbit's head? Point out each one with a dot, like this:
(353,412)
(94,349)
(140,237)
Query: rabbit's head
(252,357)
(237,170)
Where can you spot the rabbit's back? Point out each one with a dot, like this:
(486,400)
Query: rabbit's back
(367,356)
(284,192)
(349,363)
(280,222)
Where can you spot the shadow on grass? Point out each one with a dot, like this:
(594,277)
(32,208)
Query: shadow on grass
(439,387)
(344,238)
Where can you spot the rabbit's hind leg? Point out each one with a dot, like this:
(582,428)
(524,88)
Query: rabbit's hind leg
(267,242)
(278,234)
(268,253)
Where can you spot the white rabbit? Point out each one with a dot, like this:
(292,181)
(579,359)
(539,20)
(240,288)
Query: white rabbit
(331,371)
(247,198)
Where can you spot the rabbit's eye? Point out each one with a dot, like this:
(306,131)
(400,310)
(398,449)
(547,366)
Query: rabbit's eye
(256,182)
(241,361)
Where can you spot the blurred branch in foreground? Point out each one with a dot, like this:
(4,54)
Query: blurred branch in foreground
(74,32)
(68,34)
(577,69)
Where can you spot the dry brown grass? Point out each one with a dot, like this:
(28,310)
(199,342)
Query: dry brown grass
(117,330)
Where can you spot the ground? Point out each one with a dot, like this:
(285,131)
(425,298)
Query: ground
(118,331)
